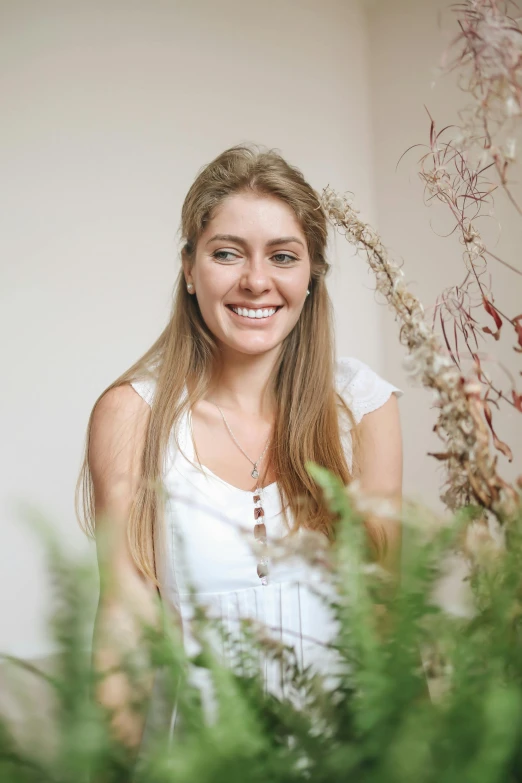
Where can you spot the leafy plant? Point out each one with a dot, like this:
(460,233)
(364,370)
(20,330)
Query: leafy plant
(378,723)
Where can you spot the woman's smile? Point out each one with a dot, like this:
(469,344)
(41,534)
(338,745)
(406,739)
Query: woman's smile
(254,316)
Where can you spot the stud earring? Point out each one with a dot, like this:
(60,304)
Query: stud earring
(307,292)
(190,286)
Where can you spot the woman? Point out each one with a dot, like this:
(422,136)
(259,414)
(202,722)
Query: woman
(222,414)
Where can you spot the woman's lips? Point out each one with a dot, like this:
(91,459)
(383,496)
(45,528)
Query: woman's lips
(249,319)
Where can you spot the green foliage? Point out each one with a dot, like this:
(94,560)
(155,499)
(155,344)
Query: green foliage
(377,725)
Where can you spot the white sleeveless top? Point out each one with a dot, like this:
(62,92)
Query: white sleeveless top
(209,534)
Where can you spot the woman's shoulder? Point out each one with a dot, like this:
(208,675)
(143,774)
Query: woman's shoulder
(119,401)
(118,427)
(362,388)
(115,411)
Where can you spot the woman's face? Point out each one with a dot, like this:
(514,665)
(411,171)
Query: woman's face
(251,272)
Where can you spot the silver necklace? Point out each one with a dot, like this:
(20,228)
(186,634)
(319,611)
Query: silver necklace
(255,472)
(259,512)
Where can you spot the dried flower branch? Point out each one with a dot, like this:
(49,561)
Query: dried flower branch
(457,169)
(449,178)
(488,53)
(471,469)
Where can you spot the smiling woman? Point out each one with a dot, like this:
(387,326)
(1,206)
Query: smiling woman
(196,456)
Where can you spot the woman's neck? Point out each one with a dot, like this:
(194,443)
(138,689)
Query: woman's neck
(243,383)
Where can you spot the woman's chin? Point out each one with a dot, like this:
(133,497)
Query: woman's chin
(252,347)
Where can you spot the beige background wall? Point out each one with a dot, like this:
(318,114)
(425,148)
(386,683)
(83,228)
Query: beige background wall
(108,111)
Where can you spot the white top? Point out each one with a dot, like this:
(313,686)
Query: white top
(209,534)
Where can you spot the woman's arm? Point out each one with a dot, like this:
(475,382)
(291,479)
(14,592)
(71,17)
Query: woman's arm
(119,427)
(380,473)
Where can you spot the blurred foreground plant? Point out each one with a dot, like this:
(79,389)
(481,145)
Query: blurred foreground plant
(375,723)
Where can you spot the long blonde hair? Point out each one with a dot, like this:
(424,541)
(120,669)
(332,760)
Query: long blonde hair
(182,360)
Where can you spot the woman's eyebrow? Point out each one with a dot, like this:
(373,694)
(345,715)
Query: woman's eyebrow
(241,241)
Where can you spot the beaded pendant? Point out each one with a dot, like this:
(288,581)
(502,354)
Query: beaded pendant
(260,536)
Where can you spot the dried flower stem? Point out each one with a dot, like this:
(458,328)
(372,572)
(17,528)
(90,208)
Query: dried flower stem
(487,55)
(449,177)
(490,43)
(471,469)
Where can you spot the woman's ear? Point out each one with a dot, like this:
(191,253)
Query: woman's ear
(186,267)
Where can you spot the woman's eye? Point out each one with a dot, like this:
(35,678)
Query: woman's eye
(227,255)
(220,255)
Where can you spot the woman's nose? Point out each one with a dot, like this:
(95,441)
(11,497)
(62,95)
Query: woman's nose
(256,276)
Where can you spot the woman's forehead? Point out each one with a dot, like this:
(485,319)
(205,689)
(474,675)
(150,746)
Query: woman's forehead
(249,214)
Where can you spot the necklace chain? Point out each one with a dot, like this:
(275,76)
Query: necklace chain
(255,472)
(259,514)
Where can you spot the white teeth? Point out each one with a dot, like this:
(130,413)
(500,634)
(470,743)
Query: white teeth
(266,313)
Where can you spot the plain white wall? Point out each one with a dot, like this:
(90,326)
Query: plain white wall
(108,112)
(407,39)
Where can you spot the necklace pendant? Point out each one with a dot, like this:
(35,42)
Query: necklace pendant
(255,473)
